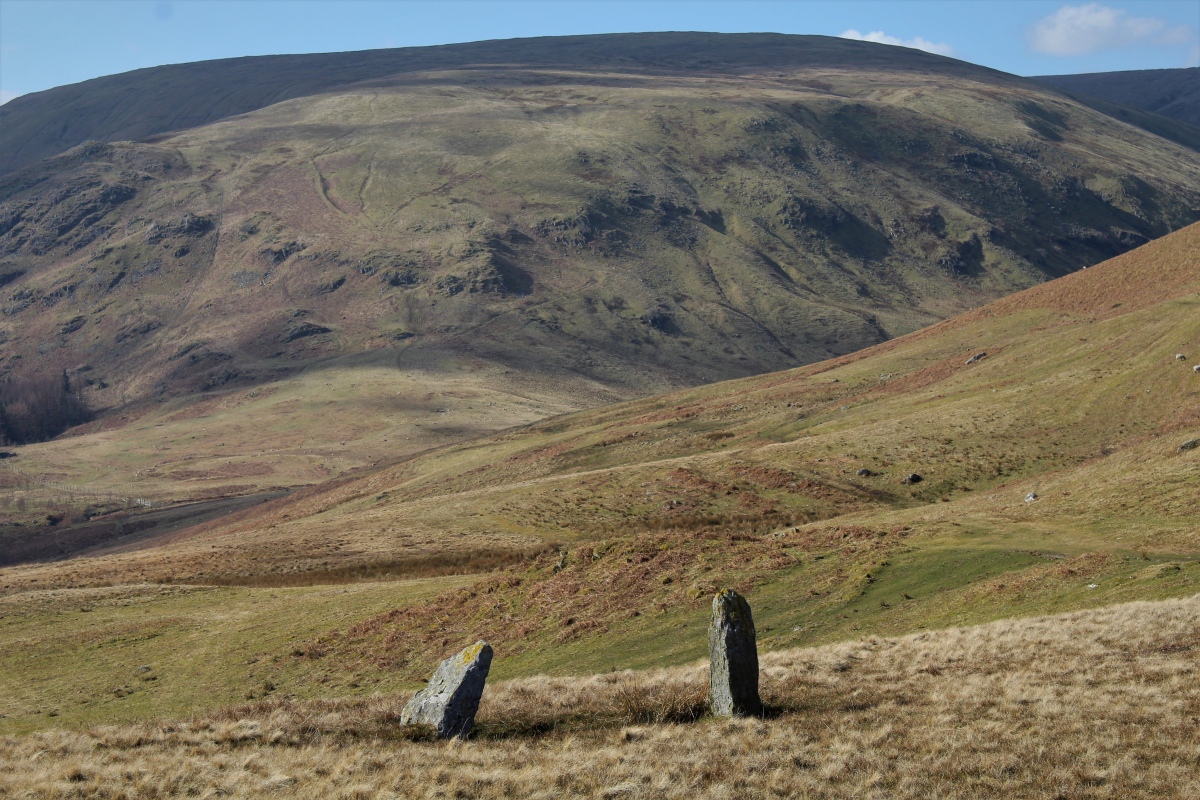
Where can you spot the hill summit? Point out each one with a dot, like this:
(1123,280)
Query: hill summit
(147,102)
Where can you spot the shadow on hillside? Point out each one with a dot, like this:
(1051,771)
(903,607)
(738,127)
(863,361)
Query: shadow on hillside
(57,541)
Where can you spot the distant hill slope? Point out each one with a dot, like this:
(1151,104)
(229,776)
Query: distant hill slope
(1091,355)
(1173,93)
(450,252)
(138,104)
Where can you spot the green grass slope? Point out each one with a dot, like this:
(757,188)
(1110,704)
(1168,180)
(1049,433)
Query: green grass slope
(1056,476)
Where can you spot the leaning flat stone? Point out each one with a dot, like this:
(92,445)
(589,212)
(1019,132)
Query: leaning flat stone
(451,699)
(733,658)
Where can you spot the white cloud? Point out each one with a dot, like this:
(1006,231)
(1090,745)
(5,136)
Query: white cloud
(6,95)
(916,43)
(1079,30)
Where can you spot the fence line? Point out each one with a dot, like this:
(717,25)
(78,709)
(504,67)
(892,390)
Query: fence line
(75,490)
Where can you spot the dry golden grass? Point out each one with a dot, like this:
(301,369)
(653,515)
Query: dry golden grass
(1095,704)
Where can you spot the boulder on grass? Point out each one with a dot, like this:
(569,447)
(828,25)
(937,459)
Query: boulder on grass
(452,697)
(733,658)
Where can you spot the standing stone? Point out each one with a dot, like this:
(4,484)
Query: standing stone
(451,699)
(733,657)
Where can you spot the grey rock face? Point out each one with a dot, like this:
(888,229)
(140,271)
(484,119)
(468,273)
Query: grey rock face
(1190,444)
(733,656)
(451,699)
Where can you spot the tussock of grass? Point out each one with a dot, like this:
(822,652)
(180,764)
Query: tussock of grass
(1093,704)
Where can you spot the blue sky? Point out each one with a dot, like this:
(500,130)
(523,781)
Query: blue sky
(46,43)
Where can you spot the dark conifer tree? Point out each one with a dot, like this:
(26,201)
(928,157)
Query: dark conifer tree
(36,408)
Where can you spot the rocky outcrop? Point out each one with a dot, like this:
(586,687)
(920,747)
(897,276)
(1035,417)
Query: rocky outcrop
(304,330)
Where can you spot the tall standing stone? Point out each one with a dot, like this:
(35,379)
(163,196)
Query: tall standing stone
(452,697)
(733,658)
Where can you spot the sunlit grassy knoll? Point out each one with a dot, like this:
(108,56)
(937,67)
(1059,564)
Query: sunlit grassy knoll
(1095,704)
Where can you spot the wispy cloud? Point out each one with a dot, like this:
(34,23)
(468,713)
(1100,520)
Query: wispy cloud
(6,95)
(1079,30)
(917,43)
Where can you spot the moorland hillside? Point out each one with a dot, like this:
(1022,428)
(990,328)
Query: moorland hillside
(1036,455)
(345,277)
